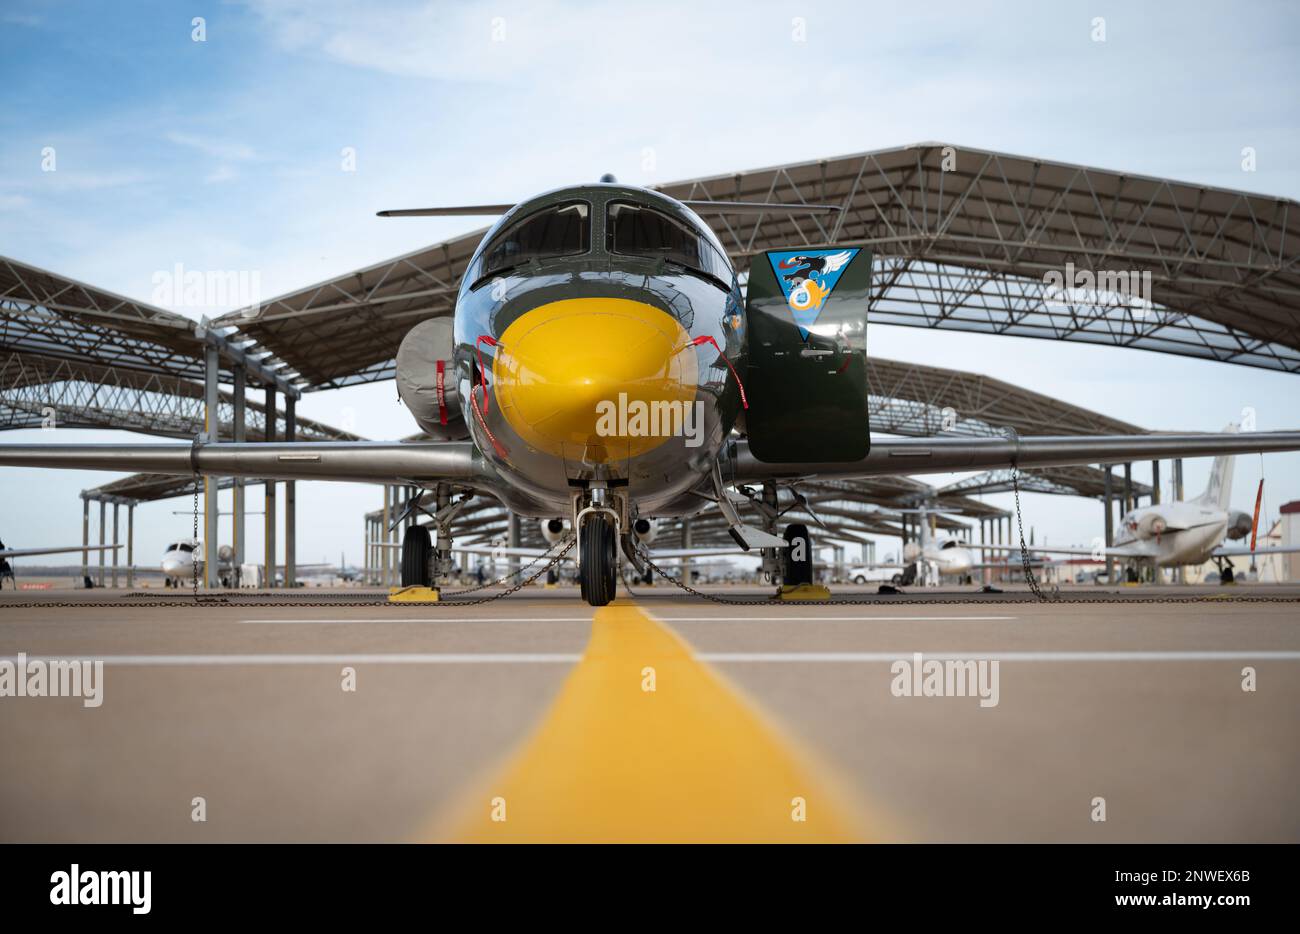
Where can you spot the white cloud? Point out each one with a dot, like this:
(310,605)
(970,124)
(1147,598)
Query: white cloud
(222,173)
(74,180)
(226,150)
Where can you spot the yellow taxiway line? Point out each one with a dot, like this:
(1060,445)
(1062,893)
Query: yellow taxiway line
(646,743)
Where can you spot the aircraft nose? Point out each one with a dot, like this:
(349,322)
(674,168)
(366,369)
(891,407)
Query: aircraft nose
(564,368)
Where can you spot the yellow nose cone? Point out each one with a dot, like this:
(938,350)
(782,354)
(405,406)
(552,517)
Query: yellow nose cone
(564,368)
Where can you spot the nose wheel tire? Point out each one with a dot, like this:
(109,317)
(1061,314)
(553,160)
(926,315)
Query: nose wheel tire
(416,549)
(598,562)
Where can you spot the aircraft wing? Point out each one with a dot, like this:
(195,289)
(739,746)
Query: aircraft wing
(1037,562)
(1234,551)
(655,553)
(947,455)
(1127,550)
(349,461)
(381,461)
(499,550)
(24,552)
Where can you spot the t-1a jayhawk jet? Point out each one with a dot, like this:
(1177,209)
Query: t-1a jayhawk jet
(603,367)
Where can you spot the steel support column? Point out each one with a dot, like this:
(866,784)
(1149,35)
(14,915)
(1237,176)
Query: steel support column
(116,541)
(100,581)
(212,433)
(513,542)
(269,516)
(1180,573)
(386,577)
(986,574)
(240,427)
(1108,500)
(290,502)
(997,526)
(85,539)
(1155,482)
(686,546)
(130,546)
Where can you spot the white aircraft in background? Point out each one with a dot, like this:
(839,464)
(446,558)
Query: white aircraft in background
(7,571)
(924,561)
(1182,532)
(180,559)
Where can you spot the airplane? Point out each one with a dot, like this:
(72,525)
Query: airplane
(324,569)
(344,571)
(1182,532)
(602,366)
(7,569)
(181,558)
(927,559)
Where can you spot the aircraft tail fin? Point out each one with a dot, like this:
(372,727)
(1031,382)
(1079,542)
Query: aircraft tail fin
(1218,492)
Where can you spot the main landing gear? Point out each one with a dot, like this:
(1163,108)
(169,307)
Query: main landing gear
(423,563)
(417,547)
(798,555)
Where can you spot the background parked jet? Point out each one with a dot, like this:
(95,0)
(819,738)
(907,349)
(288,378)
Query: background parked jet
(926,560)
(183,559)
(1181,533)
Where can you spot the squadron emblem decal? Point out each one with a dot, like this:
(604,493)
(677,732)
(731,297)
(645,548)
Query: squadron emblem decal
(807,279)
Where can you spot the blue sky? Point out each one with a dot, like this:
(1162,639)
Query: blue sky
(227,155)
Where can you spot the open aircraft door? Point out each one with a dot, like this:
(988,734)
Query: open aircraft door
(807,356)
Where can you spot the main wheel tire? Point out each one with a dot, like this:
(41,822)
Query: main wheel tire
(416,548)
(798,555)
(598,562)
(1226,577)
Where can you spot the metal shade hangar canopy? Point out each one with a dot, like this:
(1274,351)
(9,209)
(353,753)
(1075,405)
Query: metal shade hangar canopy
(36,390)
(45,316)
(963,239)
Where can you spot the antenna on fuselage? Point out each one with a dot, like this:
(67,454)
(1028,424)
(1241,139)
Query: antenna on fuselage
(608,179)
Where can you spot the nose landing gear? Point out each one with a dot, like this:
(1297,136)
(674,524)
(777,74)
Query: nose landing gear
(598,558)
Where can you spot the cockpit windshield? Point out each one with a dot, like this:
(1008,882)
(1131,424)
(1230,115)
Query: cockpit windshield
(181,546)
(559,230)
(638,230)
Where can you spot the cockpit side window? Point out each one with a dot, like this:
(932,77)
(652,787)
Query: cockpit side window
(637,230)
(559,230)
